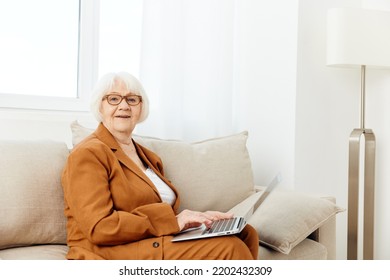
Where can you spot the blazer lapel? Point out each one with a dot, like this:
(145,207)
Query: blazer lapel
(106,137)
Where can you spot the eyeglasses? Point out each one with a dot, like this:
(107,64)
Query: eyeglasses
(116,99)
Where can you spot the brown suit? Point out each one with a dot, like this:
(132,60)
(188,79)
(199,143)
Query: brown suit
(115,212)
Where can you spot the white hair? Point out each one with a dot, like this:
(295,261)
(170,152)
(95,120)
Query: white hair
(105,85)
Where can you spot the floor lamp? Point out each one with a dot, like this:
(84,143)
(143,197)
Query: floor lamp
(359,38)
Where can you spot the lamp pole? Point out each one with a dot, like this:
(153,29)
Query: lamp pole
(362,96)
(368,184)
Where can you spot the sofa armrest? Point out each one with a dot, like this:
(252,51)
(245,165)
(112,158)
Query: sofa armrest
(326,234)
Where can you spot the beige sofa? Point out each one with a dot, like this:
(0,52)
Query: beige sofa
(213,174)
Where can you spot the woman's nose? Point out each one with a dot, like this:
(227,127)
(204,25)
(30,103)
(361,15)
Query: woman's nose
(123,104)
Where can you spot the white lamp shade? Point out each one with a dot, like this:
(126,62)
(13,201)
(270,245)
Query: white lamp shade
(358,37)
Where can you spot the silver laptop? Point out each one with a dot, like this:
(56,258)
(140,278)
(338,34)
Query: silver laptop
(233,225)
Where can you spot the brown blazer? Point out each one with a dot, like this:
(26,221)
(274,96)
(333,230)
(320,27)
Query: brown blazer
(113,210)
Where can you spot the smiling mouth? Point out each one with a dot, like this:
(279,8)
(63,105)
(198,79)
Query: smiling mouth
(123,117)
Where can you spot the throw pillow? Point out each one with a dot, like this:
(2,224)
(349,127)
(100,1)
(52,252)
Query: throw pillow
(31,197)
(203,172)
(286,218)
(79,132)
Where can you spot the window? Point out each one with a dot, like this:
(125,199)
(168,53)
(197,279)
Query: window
(39,47)
(52,51)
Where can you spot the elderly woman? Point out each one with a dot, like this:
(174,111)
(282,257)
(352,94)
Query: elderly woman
(116,207)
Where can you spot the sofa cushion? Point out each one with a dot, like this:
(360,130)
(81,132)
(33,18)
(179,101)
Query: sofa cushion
(286,218)
(79,132)
(201,171)
(31,198)
(306,250)
(36,252)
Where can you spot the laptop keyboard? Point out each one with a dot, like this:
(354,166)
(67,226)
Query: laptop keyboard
(220,226)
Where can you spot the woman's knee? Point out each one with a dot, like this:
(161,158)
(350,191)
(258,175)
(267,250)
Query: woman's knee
(240,250)
(250,237)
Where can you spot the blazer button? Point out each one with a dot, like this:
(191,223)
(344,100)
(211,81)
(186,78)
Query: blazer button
(156,244)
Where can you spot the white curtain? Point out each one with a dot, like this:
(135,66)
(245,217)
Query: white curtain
(187,68)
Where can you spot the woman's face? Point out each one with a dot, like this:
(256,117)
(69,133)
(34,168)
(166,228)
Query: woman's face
(121,118)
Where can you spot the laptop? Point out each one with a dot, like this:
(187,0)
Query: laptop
(233,225)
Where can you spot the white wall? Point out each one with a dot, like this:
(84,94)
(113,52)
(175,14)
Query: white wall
(328,111)
(18,124)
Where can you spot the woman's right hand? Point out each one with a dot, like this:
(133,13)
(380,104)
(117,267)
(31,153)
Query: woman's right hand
(189,219)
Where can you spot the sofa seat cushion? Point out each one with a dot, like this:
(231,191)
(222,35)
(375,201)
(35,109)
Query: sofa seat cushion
(37,252)
(306,250)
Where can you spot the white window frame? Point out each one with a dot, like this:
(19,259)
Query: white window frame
(87,69)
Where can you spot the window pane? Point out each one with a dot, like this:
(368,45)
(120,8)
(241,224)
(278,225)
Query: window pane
(39,47)
(120,36)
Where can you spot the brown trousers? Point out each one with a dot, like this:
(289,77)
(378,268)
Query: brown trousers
(242,246)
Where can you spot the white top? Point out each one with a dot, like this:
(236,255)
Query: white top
(166,193)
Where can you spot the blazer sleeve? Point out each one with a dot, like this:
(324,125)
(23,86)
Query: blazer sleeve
(89,202)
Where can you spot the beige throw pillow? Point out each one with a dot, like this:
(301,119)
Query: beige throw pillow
(214,174)
(79,132)
(287,217)
(31,197)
